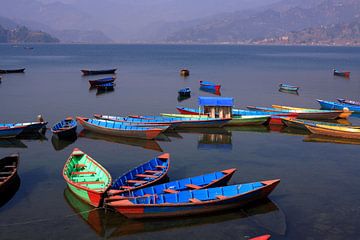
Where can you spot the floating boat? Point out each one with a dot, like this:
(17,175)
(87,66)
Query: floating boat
(235,120)
(6,71)
(340,106)
(350,102)
(300,123)
(190,122)
(263,237)
(142,176)
(335,131)
(8,172)
(118,129)
(10,132)
(98,72)
(105,86)
(184,92)
(288,87)
(86,178)
(94,83)
(303,114)
(29,127)
(65,129)
(210,85)
(214,179)
(193,202)
(344,113)
(184,72)
(210,90)
(341,74)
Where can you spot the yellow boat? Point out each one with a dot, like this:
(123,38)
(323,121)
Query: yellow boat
(345,113)
(335,131)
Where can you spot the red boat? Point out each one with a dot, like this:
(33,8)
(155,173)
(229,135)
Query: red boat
(210,85)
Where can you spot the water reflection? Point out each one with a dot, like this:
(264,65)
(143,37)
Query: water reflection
(255,128)
(289,92)
(10,190)
(263,214)
(182,98)
(210,90)
(60,144)
(33,136)
(104,91)
(147,144)
(215,141)
(11,143)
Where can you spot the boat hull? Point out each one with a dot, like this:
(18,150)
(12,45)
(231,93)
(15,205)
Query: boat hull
(6,71)
(246,121)
(94,83)
(10,132)
(98,72)
(7,183)
(338,106)
(333,132)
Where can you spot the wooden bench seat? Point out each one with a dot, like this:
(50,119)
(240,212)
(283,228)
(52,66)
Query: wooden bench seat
(136,181)
(153,172)
(127,187)
(93,182)
(146,176)
(220,197)
(82,173)
(193,186)
(79,166)
(194,200)
(161,166)
(168,190)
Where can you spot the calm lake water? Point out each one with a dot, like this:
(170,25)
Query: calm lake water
(317,198)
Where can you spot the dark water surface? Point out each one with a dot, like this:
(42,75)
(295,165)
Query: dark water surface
(317,198)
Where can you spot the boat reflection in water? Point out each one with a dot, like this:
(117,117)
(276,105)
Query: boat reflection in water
(250,128)
(106,223)
(104,91)
(210,90)
(147,144)
(327,139)
(289,91)
(11,143)
(34,136)
(60,144)
(182,98)
(10,191)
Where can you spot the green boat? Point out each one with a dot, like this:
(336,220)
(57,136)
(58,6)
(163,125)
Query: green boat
(235,121)
(86,178)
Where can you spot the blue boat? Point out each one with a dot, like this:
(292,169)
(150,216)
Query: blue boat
(65,128)
(288,87)
(10,132)
(105,86)
(142,176)
(338,106)
(186,203)
(199,182)
(94,83)
(29,127)
(184,92)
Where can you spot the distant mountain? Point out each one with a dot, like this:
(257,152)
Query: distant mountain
(334,34)
(77,36)
(276,21)
(24,35)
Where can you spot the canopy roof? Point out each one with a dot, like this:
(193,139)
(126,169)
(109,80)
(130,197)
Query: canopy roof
(216,101)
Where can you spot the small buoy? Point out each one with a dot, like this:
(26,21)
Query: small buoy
(345,109)
(40,118)
(184,72)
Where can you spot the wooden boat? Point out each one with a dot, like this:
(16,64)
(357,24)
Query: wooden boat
(235,120)
(344,113)
(105,86)
(203,201)
(10,132)
(118,129)
(98,72)
(340,106)
(86,178)
(300,123)
(210,90)
(341,74)
(263,237)
(184,72)
(288,87)
(350,102)
(142,176)
(184,92)
(94,83)
(190,122)
(28,127)
(65,128)
(329,139)
(210,85)
(303,114)
(8,172)
(6,71)
(214,179)
(335,131)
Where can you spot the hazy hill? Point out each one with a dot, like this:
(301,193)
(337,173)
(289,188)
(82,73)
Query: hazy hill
(24,35)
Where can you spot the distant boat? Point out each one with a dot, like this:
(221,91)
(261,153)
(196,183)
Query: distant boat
(98,72)
(6,71)
(184,72)
(288,87)
(94,83)
(341,74)
(184,92)
(105,86)
(28,47)
(8,170)
(65,128)
(346,101)
(340,106)
(210,85)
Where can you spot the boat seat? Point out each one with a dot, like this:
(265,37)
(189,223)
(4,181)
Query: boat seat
(168,190)
(221,197)
(193,186)
(94,182)
(194,200)
(82,173)
(10,166)
(79,166)
(161,166)
(146,176)
(136,181)
(126,187)
(5,173)
(153,172)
